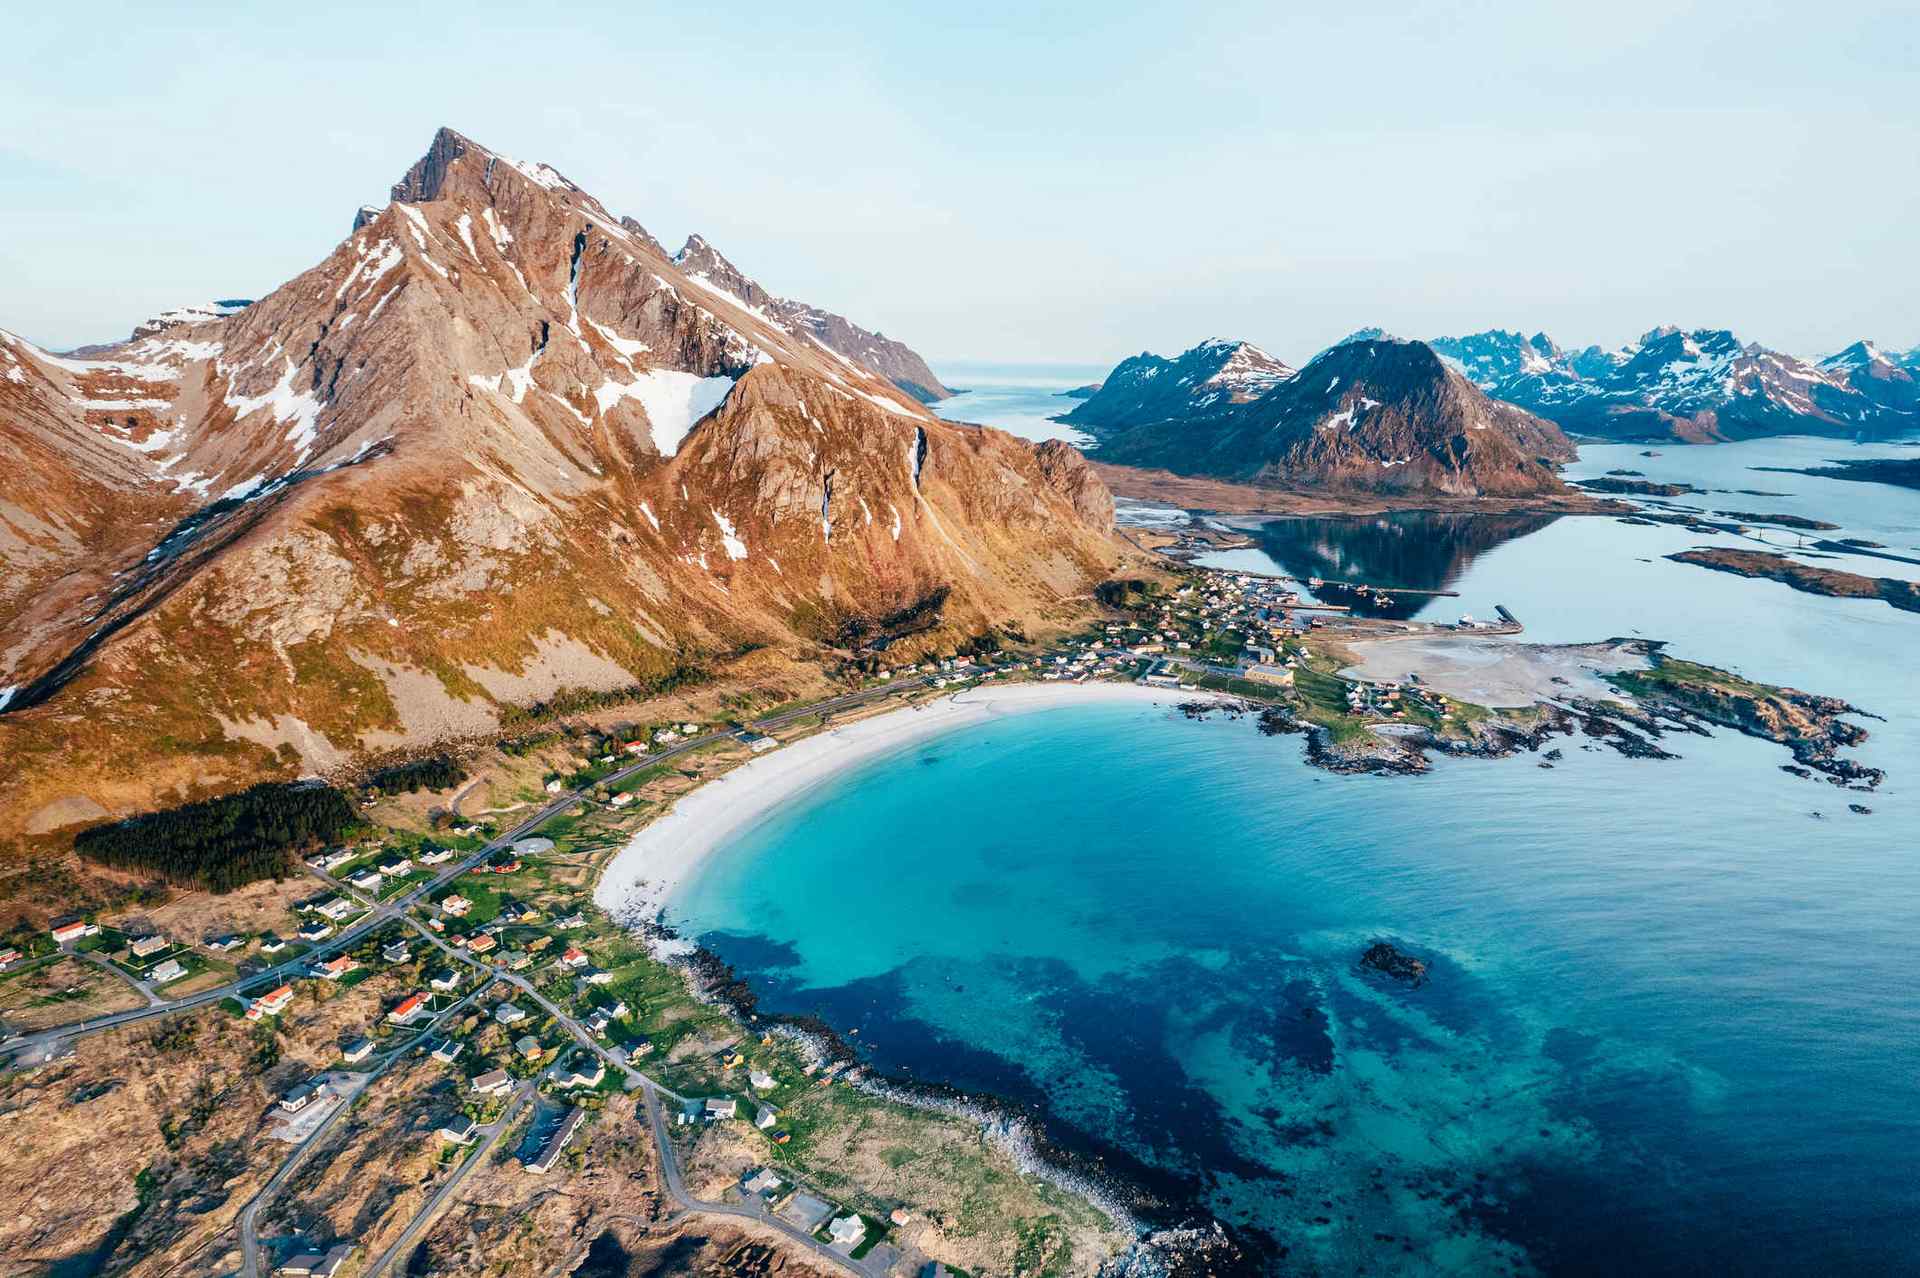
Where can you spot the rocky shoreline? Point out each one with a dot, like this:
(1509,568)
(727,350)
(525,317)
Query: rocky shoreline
(1671,696)
(1175,1236)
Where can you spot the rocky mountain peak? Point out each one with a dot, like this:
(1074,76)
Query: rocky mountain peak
(1860,355)
(704,264)
(1148,388)
(1699,385)
(491,446)
(423,182)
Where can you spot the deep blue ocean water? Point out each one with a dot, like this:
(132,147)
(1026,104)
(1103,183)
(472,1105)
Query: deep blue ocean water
(1673,1022)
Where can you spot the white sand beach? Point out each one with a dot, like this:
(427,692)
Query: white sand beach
(643,875)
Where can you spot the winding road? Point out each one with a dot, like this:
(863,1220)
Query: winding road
(44,1044)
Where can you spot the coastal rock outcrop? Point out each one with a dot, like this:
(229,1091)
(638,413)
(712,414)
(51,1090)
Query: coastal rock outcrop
(1389,960)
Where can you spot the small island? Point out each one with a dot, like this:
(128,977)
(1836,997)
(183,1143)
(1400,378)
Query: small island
(1807,578)
(1901,472)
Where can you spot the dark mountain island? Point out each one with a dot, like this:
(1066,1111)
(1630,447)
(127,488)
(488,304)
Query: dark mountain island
(1703,386)
(1147,388)
(1373,415)
(494,448)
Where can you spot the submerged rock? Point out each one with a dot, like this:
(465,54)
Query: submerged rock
(1385,958)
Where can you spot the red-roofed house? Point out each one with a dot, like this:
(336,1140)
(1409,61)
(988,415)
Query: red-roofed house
(270,1004)
(412,1008)
(334,968)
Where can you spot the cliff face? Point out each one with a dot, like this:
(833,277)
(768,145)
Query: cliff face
(1067,472)
(494,445)
(1372,415)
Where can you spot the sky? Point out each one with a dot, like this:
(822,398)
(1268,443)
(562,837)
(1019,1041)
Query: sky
(994,182)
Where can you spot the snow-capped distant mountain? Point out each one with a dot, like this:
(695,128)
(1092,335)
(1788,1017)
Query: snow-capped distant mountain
(1701,386)
(1371,333)
(1887,380)
(1149,388)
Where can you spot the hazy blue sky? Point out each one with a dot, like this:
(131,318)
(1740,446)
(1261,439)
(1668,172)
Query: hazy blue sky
(997,182)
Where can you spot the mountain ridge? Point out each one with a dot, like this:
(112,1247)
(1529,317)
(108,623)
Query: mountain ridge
(494,445)
(1689,386)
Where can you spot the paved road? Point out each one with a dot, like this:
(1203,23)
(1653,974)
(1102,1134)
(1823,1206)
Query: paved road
(41,1042)
(250,1216)
(491,1134)
(677,1190)
(381,912)
(107,965)
(575,1029)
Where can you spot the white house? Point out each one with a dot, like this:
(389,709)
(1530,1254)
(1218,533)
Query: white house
(270,1004)
(495,1082)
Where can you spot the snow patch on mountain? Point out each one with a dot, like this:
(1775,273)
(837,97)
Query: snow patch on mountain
(736,548)
(673,401)
(298,411)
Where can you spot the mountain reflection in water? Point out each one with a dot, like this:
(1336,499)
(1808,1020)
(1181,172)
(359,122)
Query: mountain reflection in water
(1411,549)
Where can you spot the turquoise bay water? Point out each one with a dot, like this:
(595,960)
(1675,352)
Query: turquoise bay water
(1672,1025)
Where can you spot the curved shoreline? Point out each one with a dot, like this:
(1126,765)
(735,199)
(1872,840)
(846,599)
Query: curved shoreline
(639,878)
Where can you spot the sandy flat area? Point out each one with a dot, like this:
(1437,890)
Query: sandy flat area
(1493,671)
(642,875)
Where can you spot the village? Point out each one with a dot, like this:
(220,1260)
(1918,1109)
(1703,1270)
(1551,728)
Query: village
(506,1020)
